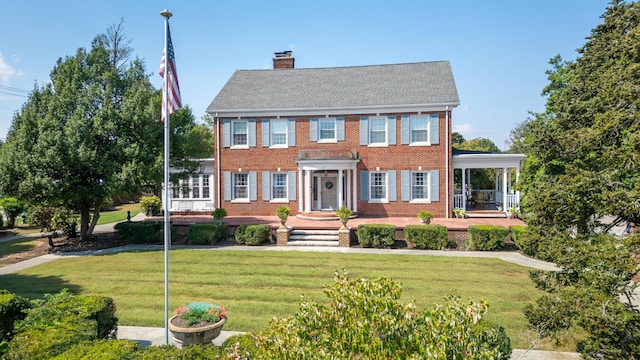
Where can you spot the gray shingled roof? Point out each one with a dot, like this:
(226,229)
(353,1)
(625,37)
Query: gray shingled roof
(425,83)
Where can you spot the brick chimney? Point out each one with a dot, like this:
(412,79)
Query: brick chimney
(283,60)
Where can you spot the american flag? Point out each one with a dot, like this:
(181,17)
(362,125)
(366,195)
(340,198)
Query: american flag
(173,90)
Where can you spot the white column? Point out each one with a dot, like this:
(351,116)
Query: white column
(319,190)
(504,189)
(340,189)
(354,178)
(348,182)
(301,197)
(518,191)
(464,188)
(307,191)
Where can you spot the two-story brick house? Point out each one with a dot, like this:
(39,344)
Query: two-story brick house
(373,138)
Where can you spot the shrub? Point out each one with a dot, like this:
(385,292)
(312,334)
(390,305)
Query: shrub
(256,234)
(207,233)
(517,233)
(364,319)
(240,234)
(150,205)
(59,321)
(431,237)
(64,219)
(12,208)
(487,237)
(12,308)
(42,217)
(376,235)
(141,232)
(101,349)
(252,234)
(239,345)
(219,213)
(191,352)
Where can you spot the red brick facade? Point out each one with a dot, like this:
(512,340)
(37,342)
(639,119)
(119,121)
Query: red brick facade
(399,157)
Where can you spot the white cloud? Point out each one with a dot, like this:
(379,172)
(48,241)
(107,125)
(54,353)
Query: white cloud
(7,72)
(465,129)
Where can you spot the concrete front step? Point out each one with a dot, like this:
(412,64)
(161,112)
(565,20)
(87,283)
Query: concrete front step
(313,238)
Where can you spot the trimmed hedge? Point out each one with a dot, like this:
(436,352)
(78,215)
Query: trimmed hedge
(376,235)
(12,309)
(207,233)
(431,237)
(142,232)
(59,321)
(487,237)
(252,234)
(519,237)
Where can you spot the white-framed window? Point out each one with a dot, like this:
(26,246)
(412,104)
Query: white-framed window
(278,134)
(175,190)
(195,187)
(420,186)
(378,130)
(419,129)
(378,186)
(327,129)
(279,186)
(240,186)
(205,186)
(240,133)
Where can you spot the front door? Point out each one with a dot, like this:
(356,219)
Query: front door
(329,192)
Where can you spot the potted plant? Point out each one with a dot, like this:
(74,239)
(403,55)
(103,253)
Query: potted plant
(283,212)
(344,213)
(197,323)
(219,213)
(425,216)
(459,213)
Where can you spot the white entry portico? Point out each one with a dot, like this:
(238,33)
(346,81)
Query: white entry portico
(327,184)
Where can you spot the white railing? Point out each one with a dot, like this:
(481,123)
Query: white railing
(512,201)
(458,201)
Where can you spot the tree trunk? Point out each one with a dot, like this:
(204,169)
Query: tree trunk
(84,221)
(96,216)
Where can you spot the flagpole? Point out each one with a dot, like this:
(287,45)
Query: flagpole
(167,233)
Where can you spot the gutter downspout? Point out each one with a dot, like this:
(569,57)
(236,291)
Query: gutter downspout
(217,157)
(447,160)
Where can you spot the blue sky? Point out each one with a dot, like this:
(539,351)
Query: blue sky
(499,50)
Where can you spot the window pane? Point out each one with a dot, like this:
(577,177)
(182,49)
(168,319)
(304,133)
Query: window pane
(195,188)
(419,183)
(278,132)
(378,186)
(241,186)
(239,133)
(205,186)
(378,129)
(419,129)
(327,129)
(279,186)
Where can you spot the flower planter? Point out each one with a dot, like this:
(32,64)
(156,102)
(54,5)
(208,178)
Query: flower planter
(195,335)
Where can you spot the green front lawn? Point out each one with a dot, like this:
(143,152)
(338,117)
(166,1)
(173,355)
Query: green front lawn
(119,214)
(254,286)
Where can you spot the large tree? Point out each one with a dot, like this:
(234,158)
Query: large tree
(93,132)
(583,167)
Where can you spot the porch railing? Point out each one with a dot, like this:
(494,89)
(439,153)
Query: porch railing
(458,201)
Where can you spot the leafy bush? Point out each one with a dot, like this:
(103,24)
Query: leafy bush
(12,208)
(59,321)
(64,219)
(252,234)
(240,234)
(141,232)
(517,233)
(42,217)
(207,233)
(432,237)
(150,205)
(219,213)
(364,319)
(100,349)
(376,235)
(12,308)
(487,237)
(191,352)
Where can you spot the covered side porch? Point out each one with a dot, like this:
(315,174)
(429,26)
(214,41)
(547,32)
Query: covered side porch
(492,189)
